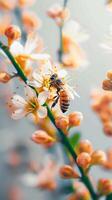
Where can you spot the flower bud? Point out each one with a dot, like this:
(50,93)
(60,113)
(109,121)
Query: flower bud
(62,122)
(4,77)
(75,118)
(12,32)
(7,5)
(105,186)
(23,3)
(84,146)
(98,157)
(41,137)
(109,74)
(30,21)
(107,84)
(57,13)
(84,160)
(108,128)
(81,192)
(67,172)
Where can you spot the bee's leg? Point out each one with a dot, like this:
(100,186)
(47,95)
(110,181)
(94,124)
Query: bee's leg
(55,102)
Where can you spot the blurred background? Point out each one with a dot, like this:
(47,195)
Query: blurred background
(95,19)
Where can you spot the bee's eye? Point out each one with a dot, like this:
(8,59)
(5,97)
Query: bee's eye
(53,77)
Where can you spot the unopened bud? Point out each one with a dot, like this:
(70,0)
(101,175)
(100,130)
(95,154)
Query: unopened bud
(84,160)
(75,118)
(62,122)
(7,5)
(30,21)
(98,157)
(105,186)
(108,128)
(84,146)
(107,84)
(41,137)
(4,77)
(23,3)
(109,74)
(59,14)
(68,172)
(13,33)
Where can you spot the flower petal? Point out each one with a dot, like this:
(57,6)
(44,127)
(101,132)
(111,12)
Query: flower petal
(29,93)
(16,48)
(37,77)
(62,73)
(34,83)
(42,97)
(18,101)
(32,42)
(18,114)
(42,112)
(40,57)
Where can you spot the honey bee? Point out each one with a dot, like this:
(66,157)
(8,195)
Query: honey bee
(62,95)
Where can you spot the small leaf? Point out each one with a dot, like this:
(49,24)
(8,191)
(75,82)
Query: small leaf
(74,139)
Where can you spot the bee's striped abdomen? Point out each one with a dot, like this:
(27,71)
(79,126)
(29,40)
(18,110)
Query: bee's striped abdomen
(64,101)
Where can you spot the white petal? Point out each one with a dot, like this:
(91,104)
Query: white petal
(73,30)
(40,57)
(31,43)
(42,97)
(16,48)
(34,84)
(42,112)
(37,77)
(29,179)
(29,92)
(18,101)
(18,114)
(62,73)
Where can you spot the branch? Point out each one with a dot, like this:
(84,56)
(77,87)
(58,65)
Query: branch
(65,141)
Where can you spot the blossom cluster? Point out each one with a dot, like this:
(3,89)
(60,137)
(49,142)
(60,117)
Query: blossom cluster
(101,104)
(30,21)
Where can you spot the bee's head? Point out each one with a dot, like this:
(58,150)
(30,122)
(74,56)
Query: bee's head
(53,77)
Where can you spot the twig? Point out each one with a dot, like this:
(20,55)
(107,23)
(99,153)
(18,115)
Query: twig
(65,141)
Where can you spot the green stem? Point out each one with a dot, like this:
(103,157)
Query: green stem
(61,35)
(109,197)
(65,3)
(65,141)
(15,64)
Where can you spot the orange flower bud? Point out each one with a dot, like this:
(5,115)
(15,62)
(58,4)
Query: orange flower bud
(75,118)
(107,84)
(23,3)
(62,122)
(67,172)
(109,74)
(4,77)
(59,14)
(41,137)
(108,128)
(84,146)
(105,186)
(108,163)
(81,192)
(84,160)
(98,157)
(12,32)
(7,5)
(30,21)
